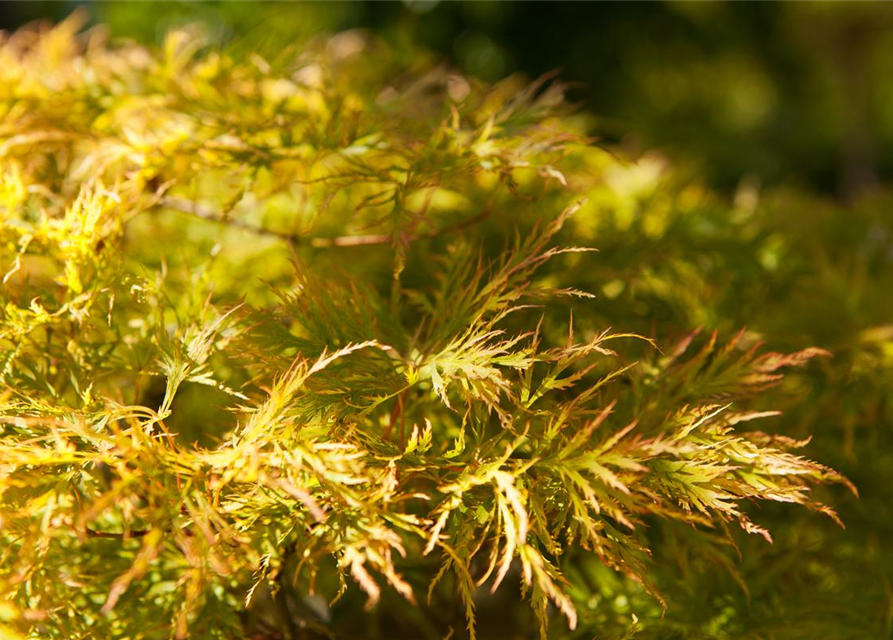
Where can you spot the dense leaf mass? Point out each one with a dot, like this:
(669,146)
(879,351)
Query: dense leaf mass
(284,339)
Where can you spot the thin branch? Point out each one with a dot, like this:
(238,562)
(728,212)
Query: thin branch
(139,533)
(205,213)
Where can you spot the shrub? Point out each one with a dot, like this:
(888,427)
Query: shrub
(309,346)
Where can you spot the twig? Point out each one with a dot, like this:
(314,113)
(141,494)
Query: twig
(194,208)
(139,533)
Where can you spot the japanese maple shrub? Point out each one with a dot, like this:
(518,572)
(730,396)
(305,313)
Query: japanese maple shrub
(294,348)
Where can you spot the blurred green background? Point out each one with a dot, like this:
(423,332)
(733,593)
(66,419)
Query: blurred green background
(792,93)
